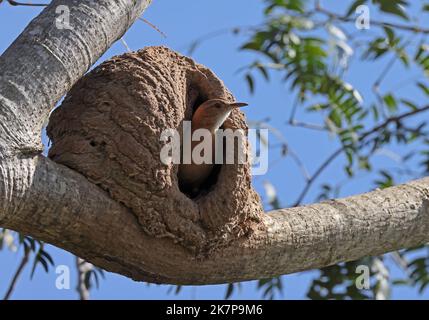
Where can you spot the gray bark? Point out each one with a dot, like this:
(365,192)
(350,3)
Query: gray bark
(83,268)
(55,204)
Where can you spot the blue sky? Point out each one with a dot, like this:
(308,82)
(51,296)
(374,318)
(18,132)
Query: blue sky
(183,22)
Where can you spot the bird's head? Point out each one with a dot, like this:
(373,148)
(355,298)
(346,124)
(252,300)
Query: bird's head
(212,113)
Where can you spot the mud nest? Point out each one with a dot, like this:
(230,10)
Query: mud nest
(108,128)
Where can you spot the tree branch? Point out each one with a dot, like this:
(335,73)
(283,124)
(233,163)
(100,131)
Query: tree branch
(65,53)
(16,3)
(96,228)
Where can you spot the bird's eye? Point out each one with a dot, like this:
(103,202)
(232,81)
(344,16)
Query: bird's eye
(217,106)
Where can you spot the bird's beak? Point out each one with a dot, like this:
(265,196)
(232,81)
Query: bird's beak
(238,104)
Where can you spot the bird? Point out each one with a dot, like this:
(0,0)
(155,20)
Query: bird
(210,115)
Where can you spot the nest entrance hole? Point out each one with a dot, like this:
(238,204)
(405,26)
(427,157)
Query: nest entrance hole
(205,188)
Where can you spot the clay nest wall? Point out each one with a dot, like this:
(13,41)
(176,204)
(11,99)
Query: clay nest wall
(108,128)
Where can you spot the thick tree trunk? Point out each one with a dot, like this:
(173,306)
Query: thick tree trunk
(53,203)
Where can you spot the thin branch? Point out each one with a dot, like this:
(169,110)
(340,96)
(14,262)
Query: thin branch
(153,26)
(382,76)
(306,125)
(125,44)
(385,71)
(300,164)
(294,110)
(83,268)
(216,33)
(295,123)
(392,120)
(313,178)
(295,158)
(403,83)
(18,272)
(401,262)
(337,152)
(16,3)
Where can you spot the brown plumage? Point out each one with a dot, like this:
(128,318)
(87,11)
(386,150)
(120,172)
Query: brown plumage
(209,115)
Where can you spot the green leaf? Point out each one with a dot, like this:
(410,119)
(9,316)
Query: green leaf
(250,83)
(96,280)
(390,33)
(375,112)
(419,53)
(364,163)
(263,71)
(423,87)
(229,290)
(47,257)
(385,181)
(394,7)
(409,104)
(390,102)
(38,260)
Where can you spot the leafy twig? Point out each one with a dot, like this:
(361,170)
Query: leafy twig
(362,137)
(24,261)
